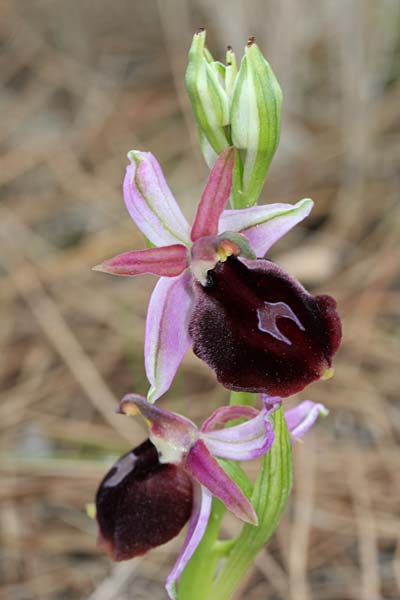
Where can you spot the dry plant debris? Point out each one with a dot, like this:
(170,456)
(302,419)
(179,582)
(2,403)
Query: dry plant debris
(81,84)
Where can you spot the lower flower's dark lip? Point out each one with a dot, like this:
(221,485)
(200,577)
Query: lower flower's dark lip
(146,506)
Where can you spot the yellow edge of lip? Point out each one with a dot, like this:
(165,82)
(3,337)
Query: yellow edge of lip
(91,510)
(222,256)
(328,374)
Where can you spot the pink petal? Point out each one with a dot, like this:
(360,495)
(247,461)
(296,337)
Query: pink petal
(167,261)
(151,203)
(202,500)
(215,196)
(167,338)
(301,418)
(264,225)
(203,467)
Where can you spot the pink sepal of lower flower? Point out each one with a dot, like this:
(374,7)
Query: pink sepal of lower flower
(156,213)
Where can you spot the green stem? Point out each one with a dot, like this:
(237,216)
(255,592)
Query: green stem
(196,580)
(244,398)
(269,499)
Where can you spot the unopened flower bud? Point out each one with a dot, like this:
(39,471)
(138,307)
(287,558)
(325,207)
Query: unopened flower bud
(205,86)
(230,74)
(255,121)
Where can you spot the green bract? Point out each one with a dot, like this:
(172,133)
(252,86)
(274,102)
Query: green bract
(240,108)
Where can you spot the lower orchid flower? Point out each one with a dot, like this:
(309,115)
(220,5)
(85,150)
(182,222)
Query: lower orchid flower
(285,337)
(155,489)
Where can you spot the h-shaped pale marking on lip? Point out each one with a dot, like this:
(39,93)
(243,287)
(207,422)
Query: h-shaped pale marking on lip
(269,313)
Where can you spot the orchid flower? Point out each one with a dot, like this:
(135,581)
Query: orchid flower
(155,489)
(213,272)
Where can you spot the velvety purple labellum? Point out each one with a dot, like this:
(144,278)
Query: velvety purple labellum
(260,330)
(141,504)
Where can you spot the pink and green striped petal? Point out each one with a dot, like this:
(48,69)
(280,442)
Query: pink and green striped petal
(150,202)
(167,338)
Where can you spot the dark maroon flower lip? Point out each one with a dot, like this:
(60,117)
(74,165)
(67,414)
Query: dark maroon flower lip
(260,330)
(141,503)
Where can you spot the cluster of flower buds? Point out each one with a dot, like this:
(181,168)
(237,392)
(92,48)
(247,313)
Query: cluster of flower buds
(250,321)
(236,107)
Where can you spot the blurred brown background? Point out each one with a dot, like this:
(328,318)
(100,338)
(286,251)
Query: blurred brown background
(82,82)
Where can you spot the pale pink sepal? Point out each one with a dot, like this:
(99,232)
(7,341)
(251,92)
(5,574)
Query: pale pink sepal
(202,500)
(246,441)
(301,418)
(215,196)
(150,202)
(168,261)
(264,225)
(167,338)
(205,468)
